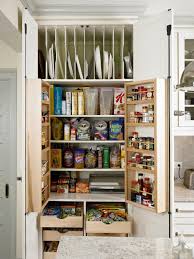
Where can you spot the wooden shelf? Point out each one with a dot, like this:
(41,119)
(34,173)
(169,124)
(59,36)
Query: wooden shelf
(88,141)
(87,116)
(141,170)
(45,102)
(141,206)
(151,101)
(88,169)
(45,175)
(89,197)
(143,151)
(129,124)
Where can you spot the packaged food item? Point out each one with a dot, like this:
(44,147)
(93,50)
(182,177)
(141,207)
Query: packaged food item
(68,103)
(73,134)
(90,159)
(115,157)
(67,131)
(81,102)
(72,185)
(56,158)
(106,101)
(119,101)
(116,129)
(62,188)
(106,157)
(99,157)
(57,100)
(52,100)
(68,158)
(138,198)
(122,156)
(100,130)
(83,130)
(64,107)
(91,101)
(57,129)
(82,186)
(79,155)
(74,103)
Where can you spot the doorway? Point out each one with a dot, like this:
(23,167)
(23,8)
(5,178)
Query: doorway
(8,164)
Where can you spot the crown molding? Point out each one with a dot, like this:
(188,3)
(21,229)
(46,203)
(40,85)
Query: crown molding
(83,7)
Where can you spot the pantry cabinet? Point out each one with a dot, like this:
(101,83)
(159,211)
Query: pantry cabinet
(72,61)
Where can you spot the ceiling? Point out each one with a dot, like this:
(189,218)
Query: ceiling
(109,7)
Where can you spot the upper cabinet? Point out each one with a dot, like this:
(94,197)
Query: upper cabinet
(183,99)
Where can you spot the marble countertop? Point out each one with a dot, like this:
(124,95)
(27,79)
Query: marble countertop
(114,248)
(182,194)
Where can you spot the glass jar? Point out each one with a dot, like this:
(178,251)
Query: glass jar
(151,113)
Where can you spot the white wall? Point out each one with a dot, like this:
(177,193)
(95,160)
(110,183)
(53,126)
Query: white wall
(9,8)
(10,59)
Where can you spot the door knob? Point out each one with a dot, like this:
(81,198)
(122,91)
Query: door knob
(7,190)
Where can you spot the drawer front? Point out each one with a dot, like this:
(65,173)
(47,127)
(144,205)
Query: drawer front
(184,220)
(115,228)
(53,235)
(49,255)
(68,222)
(187,230)
(184,209)
(106,235)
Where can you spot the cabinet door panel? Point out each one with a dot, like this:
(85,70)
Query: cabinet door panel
(151,46)
(30,46)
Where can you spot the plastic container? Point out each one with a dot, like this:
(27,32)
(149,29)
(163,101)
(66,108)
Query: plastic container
(106,101)
(91,101)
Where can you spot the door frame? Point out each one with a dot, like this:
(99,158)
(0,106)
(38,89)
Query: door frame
(11,74)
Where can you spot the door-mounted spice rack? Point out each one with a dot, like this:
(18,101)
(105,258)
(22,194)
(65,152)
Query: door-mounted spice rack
(146,144)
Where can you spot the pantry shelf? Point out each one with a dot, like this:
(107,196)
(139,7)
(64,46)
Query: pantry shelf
(129,124)
(141,170)
(87,116)
(89,197)
(141,206)
(45,175)
(87,82)
(88,169)
(46,187)
(89,141)
(45,149)
(143,151)
(140,102)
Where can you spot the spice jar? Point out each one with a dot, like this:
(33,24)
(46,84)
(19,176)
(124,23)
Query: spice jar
(151,113)
(145,109)
(150,92)
(140,181)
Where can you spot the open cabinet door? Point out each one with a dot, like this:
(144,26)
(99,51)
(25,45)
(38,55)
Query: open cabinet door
(153,59)
(29,71)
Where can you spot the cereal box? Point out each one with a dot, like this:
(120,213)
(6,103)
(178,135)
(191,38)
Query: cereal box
(119,101)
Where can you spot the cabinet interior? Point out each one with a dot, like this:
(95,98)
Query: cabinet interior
(74,49)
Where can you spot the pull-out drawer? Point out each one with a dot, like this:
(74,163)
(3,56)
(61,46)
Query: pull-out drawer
(189,220)
(187,230)
(68,222)
(54,235)
(49,255)
(121,227)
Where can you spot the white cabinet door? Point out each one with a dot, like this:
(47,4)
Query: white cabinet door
(151,59)
(186,107)
(151,46)
(30,46)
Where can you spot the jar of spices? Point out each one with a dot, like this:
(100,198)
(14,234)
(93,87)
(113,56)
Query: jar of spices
(145,109)
(135,135)
(150,92)
(130,142)
(151,113)
(151,144)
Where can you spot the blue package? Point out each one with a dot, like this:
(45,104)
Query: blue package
(57,100)
(116,129)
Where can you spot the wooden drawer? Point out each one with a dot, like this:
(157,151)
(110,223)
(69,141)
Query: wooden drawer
(49,255)
(54,235)
(68,222)
(124,227)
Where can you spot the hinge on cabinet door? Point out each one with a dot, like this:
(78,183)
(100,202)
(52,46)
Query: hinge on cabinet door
(25,25)
(168,29)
